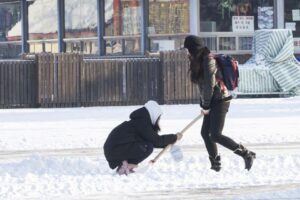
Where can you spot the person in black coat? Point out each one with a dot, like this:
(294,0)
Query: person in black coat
(133,141)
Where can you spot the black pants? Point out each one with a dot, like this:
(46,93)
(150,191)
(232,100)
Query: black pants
(134,153)
(212,128)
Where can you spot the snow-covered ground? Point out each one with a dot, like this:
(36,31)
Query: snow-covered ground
(57,154)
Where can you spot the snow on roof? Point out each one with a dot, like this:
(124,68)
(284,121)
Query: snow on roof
(42,15)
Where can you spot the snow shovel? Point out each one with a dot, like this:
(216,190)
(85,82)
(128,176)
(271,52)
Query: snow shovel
(175,153)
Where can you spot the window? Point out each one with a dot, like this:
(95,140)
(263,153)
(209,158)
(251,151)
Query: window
(175,15)
(10,30)
(218,16)
(168,22)
(81,26)
(239,16)
(123,26)
(42,22)
(292,20)
(81,18)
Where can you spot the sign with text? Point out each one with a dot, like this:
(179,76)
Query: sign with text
(297,44)
(296,15)
(290,25)
(242,23)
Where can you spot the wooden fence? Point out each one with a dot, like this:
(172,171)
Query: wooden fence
(120,81)
(67,80)
(177,87)
(18,83)
(59,80)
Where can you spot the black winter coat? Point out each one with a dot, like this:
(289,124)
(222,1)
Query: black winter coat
(138,129)
(210,88)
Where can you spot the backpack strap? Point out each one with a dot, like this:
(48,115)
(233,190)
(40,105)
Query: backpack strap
(219,74)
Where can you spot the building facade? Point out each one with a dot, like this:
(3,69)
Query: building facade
(133,27)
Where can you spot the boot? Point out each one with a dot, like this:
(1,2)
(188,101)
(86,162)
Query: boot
(215,163)
(126,168)
(248,156)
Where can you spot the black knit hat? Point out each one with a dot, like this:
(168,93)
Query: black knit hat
(195,45)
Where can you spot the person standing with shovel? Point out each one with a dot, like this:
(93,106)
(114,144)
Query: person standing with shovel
(214,102)
(133,141)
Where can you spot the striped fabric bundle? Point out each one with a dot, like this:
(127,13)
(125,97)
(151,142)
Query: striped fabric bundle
(273,49)
(257,80)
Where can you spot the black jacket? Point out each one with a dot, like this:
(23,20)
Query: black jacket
(209,87)
(138,128)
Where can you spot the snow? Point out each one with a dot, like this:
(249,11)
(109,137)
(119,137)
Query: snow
(44,12)
(57,154)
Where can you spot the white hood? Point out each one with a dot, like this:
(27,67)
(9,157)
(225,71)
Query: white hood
(154,110)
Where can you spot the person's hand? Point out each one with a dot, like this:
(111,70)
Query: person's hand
(205,112)
(179,136)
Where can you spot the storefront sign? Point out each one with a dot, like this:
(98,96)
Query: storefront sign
(290,25)
(296,15)
(242,23)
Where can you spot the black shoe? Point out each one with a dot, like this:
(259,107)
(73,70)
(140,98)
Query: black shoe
(248,156)
(215,163)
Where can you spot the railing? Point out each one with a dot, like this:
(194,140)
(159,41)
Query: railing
(88,46)
(123,45)
(220,42)
(157,41)
(228,42)
(43,45)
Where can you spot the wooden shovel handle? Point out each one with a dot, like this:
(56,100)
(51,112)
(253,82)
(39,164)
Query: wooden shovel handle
(182,132)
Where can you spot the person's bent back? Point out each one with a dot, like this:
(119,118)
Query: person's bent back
(133,141)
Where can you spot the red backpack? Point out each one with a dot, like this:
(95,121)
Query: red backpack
(229,69)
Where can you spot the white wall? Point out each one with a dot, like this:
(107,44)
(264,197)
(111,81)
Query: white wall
(194,17)
(280,13)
